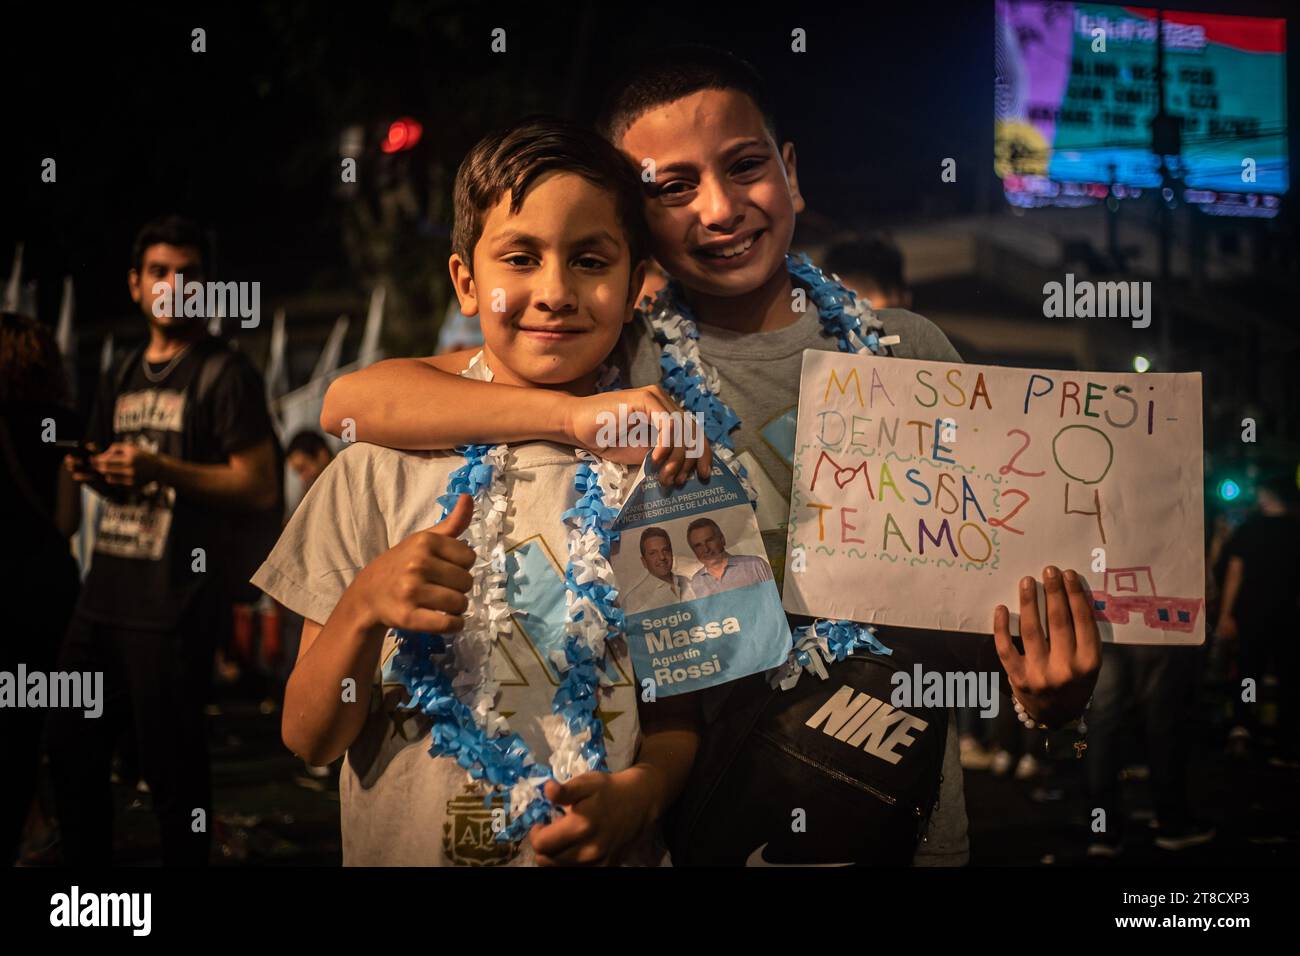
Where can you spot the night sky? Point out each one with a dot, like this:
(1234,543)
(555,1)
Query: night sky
(245,136)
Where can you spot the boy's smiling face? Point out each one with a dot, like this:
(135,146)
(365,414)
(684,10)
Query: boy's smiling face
(722,207)
(552,283)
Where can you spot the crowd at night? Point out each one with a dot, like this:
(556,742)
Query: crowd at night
(436,435)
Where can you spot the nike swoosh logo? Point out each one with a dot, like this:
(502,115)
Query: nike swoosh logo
(756,859)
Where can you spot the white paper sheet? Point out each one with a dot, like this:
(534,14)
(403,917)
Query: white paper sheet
(924,491)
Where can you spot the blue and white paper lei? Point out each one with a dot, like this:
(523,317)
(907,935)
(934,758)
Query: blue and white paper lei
(452,682)
(696,387)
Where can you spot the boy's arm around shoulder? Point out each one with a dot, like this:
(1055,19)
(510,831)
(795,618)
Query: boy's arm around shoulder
(425,403)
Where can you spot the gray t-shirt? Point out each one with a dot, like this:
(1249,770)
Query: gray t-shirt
(759,372)
(398,805)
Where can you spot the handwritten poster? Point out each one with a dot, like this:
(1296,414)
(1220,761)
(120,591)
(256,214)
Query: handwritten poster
(924,491)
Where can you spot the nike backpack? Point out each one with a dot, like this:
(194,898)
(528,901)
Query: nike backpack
(828,772)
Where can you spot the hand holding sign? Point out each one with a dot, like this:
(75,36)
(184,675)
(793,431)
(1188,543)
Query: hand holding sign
(1054,677)
(921,487)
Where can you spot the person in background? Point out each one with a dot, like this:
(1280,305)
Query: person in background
(187,452)
(1148,693)
(1220,651)
(308,455)
(36,566)
(873,268)
(1261,588)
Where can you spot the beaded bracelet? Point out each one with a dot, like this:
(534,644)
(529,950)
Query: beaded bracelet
(1023,716)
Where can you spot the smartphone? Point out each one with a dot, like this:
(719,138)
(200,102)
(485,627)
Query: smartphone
(79,451)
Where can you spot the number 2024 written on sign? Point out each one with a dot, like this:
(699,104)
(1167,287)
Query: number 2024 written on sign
(924,491)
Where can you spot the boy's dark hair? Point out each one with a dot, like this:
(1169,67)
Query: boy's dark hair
(877,259)
(677,72)
(172,230)
(510,160)
(309,442)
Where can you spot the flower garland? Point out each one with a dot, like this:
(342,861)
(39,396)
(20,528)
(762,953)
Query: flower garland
(455,688)
(696,387)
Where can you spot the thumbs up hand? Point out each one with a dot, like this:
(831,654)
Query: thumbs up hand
(419,584)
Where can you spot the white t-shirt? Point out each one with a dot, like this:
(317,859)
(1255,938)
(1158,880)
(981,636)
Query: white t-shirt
(652,592)
(399,805)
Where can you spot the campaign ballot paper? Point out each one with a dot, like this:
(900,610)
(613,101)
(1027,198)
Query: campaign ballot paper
(697,591)
(924,491)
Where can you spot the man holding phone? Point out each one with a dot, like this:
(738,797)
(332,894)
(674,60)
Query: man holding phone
(179,443)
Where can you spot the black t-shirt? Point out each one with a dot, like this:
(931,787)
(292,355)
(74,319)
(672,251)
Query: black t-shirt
(142,572)
(1271,576)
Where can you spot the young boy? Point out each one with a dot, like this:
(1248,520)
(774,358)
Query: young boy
(721,210)
(548,251)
